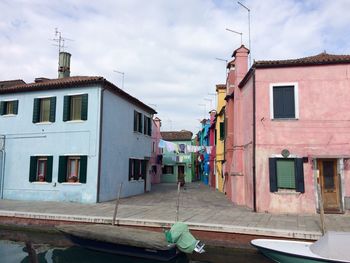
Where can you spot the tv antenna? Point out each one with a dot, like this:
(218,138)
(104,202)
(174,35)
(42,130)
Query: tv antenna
(60,41)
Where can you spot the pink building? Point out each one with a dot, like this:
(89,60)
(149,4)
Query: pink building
(291,126)
(156,157)
(212,140)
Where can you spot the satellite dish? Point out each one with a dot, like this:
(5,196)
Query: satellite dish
(285,153)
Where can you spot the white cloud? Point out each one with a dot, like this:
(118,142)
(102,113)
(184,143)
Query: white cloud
(167,49)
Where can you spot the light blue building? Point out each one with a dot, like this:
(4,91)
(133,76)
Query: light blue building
(72,139)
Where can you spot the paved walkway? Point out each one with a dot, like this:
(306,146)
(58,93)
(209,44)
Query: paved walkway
(200,207)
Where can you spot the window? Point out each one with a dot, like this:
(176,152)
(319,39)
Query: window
(182,148)
(137,121)
(44,110)
(72,169)
(40,169)
(147,126)
(284,101)
(286,173)
(9,107)
(222,131)
(168,169)
(137,169)
(75,107)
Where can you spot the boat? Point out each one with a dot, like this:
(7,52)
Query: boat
(121,240)
(332,247)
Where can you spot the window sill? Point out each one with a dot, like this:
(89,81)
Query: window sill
(75,121)
(66,183)
(286,192)
(43,123)
(9,115)
(137,181)
(285,119)
(41,183)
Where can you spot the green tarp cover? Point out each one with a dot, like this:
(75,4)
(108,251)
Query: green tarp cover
(181,236)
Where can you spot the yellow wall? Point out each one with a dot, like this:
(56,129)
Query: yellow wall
(220,149)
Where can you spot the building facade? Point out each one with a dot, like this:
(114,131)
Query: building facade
(157,153)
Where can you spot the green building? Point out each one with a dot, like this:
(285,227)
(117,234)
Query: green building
(177,162)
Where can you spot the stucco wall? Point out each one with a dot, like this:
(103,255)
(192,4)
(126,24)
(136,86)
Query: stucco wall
(119,143)
(25,139)
(323,129)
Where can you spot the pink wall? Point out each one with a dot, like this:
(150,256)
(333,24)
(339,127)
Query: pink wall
(323,128)
(213,154)
(156,136)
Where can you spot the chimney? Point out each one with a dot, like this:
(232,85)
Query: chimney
(64,65)
(241,63)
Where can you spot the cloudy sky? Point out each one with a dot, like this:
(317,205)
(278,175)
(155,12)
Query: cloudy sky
(166,48)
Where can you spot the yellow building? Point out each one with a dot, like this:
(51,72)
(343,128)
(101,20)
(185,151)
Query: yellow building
(220,136)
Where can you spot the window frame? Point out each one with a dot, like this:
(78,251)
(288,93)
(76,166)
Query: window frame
(41,109)
(164,170)
(138,122)
(296,99)
(44,160)
(5,104)
(70,178)
(75,111)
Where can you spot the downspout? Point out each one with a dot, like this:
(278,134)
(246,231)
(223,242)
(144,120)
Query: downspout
(254,142)
(100,146)
(2,169)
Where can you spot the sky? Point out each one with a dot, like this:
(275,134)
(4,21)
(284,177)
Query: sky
(167,49)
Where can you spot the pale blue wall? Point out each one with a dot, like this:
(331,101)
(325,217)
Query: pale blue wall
(119,143)
(25,139)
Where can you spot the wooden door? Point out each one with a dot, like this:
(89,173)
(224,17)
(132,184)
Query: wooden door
(329,180)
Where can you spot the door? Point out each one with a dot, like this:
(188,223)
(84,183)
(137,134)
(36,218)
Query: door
(181,174)
(329,182)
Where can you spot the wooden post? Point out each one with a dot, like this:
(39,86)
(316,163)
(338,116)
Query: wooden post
(117,204)
(320,203)
(178,201)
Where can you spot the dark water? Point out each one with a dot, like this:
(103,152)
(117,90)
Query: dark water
(55,248)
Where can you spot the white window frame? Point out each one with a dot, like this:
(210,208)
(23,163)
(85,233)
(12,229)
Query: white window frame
(296,99)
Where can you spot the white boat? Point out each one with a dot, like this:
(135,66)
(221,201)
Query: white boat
(332,247)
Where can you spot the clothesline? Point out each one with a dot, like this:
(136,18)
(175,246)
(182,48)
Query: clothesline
(183,148)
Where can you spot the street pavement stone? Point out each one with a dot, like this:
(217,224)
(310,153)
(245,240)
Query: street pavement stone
(200,207)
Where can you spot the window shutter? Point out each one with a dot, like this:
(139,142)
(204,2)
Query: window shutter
(273,176)
(149,126)
(137,169)
(283,102)
(145,125)
(32,168)
(83,169)
(66,108)
(36,110)
(140,122)
(143,168)
(222,131)
(84,107)
(130,168)
(135,120)
(2,107)
(62,169)
(49,169)
(299,176)
(15,107)
(52,109)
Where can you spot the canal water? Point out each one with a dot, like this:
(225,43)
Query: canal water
(55,248)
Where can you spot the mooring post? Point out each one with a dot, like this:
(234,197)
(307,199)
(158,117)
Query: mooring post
(117,204)
(178,202)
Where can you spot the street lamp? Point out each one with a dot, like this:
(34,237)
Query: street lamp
(122,73)
(246,8)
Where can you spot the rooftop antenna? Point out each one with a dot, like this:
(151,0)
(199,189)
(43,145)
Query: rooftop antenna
(234,31)
(226,61)
(122,73)
(246,8)
(60,42)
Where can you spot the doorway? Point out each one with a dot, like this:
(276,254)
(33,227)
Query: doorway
(181,174)
(330,185)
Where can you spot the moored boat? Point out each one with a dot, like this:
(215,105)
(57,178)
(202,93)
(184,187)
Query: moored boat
(121,240)
(332,247)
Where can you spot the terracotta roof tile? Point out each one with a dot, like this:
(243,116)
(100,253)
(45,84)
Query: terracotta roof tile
(177,135)
(10,83)
(320,59)
(71,82)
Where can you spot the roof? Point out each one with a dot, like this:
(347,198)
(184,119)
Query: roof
(320,59)
(220,87)
(177,135)
(9,83)
(242,47)
(72,82)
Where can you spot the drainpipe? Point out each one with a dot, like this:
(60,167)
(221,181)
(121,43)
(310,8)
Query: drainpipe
(100,146)
(2,170)
(254,142)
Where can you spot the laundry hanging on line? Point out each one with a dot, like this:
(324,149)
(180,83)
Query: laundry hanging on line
(183,148)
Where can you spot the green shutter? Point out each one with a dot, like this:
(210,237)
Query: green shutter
(149,126)
(62,169)
(49,169)
(2,107)
(145,124)
(285,169)
(15,107)
(299,180)
(273,176)
(222,131)
(83,169)
(84,107)
(136,169)
(144,168)
(36,111)
(140,122)
(32,168)
(130,168)
(66,108)
(52,109)
(135,120)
